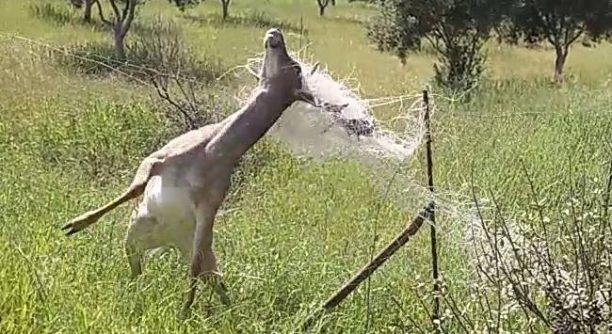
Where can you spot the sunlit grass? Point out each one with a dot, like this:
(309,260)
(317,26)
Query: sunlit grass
(69,142)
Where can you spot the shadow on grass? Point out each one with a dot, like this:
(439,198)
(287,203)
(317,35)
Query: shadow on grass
(252,18)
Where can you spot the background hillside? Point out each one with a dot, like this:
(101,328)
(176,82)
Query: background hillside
(72,133)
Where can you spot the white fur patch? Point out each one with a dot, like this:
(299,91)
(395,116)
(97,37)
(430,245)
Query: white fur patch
(165,201)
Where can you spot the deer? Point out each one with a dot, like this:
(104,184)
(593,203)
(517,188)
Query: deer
(183,184)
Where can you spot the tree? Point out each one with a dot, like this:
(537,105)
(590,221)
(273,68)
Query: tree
(225,7)
(124,12)
(183,4)
(120,23)
(561,23)
(87,6)
(455,29)
(322,5)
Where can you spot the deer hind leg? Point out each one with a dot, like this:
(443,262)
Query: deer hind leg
(138,240)
(210,273)
(203,259)
(213,277)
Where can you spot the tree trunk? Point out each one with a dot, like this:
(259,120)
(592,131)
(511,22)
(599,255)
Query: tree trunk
(333,2)
(321,10)
(561,57)
(119,37)
(225,5)
(77,3)
(87,11)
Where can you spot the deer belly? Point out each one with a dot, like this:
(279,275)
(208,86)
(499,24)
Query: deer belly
(166,202)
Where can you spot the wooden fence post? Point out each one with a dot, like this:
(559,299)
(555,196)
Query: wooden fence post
(432,216)
(380,258)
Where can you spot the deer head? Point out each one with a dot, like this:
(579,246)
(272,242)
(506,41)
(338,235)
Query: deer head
(281,72)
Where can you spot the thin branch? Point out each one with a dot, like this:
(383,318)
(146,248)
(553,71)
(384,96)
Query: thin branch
(408,316)
(101,13)
(130,16)
(161,87)
(456,312)
(115,10)
(126,8)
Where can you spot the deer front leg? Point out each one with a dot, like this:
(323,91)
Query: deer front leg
(203,261)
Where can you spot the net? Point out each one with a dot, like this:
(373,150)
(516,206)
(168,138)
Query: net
(347,125)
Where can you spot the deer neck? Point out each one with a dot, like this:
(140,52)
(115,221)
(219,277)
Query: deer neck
(244,128)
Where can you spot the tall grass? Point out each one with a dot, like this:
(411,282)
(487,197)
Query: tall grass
(298,227)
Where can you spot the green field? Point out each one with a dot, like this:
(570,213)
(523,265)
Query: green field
(296,228)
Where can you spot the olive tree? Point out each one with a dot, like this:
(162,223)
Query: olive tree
(561,23)
(323,4)
(87,6)
(124,12)
(183,4)
(455,29)
(123,16)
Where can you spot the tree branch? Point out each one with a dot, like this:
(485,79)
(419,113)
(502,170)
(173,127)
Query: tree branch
(160,83)
(115,10)
(101,13)
(130,16)
(580,32)
(126,8)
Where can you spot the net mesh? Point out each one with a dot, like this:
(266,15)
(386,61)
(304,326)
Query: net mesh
(313,132)
(353,130)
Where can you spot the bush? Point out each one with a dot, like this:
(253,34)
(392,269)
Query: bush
(50,12)
(549,268)
(157,49)
(456,30)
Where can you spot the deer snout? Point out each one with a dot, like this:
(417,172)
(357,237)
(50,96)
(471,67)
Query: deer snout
(273,38)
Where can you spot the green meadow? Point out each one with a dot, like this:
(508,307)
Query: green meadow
(295,228)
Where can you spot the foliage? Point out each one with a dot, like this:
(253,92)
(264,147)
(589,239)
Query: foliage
(550,265)
(457,31)
(561,23)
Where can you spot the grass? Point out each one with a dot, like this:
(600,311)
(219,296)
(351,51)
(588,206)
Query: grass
(300,227)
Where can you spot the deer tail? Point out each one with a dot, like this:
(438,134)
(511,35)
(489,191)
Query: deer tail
(89,218)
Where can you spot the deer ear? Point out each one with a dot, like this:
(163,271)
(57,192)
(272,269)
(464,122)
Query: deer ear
(307,97)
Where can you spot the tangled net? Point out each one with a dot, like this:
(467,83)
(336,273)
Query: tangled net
(380,145)
(355,132)
(346,123)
